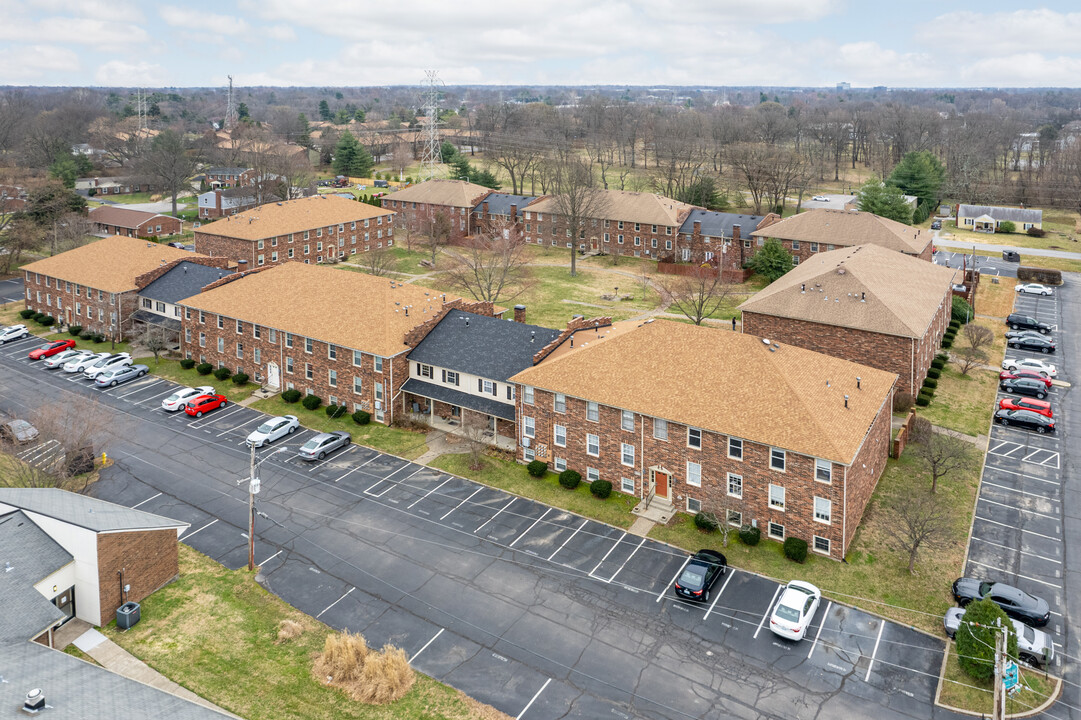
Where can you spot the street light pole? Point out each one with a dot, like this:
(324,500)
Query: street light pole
(253,487)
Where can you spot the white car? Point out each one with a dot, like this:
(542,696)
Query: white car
(110,362)
(65,357)
(820,198)
(82,363)
(1033,289)
(795,610)
(13,332)
(1044,368)
(180,398)
(272,429)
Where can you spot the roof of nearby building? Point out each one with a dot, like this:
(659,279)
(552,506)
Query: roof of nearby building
(470,401)
(184,280)
(646,208)
(110,264)
(726,382)
(92,182)
(122,217)
(291,216)
(226,170)
(846,228)
(166,323)
(499,203)
(353,310)
(865,287)
(27,555)
(488,347)
(454,193)
(1001,214)
(720,224)
(84,511)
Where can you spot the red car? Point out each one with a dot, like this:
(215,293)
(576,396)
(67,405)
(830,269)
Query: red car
(1023,403)
(1019,373)
(205,403)
(50,349)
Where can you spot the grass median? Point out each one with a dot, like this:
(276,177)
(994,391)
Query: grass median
(958,690)
(171,370)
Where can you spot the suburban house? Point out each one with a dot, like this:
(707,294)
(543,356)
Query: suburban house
(343,336)
(12,198)
(459,372)
(987,218)
(624,223)
(114,186)
(230,201)
(313,229)
(162,288)
(115,220)
(502,211)
(716,239)
(817,231)
(95,285)
(227,177)
(866,304)
(419,205)
(803,464)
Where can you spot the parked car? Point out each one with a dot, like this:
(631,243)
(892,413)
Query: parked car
(319,446)
(1028,342)
(121,374)
(1023,403)
(1018,604)
(1033,289)
(50,349)
(18,431)
(109,362)
(795,609)
(700,574)
(936,225)
(13,332)
(1024,386)
(1011,334)
(1033,646)
(205,403)
(1019,321)
(60,359)
(820,198)
(1026,419)
(273,429)
(180,398)
(1044,368)
(1009,374)
(80,364)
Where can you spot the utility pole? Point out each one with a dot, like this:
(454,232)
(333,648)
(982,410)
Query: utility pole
(997,708)
(230,108)
(253,488)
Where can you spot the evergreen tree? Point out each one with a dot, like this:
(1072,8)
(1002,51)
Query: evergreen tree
(919,174)
(771,261)
(324,110)
(345,153)
(304,131)
(447,151)
(887,201)
(242,112)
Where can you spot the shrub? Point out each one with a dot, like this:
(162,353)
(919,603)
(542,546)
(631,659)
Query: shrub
(86,334)
(902,402)
(921,213)
(923,400)
(976,638)
(934,373)
(335,411)
(955,325)
(943,357)
(1040,275)
(749,535)
(369,677)
(938,363)
(795,549)
(98,338)
(362,417)
(289,630)
(705,522)
(240,378)
(48,320)
(1036,232)
(187,363)
(950,334)
(570,479)
(312,402)
(290,396)
(26,314)
(601,489)
(223,373)
(930,383)
(537,468)
(204,368)
(74,330)
(947,343)
(38,316)
(1006,227)
(961,311)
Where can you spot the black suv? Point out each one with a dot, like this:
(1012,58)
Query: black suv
(1024,386)
(1017,321)
(1035,343)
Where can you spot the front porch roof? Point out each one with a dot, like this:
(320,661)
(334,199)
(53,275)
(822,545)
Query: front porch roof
(459,398)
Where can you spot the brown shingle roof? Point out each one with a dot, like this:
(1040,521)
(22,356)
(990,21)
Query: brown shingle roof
(121,217)
(846,228)
(110,264)
(866,287)
(291,216)
(455,193)
(353,310)
(645,208)
(725,382)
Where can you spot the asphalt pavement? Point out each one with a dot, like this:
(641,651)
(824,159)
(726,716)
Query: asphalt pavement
(11,290)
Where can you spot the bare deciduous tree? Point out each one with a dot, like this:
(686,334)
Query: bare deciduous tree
(918,521)
(23,236)
(942,452)
(439,231)
(378,262)
(475,432)
(978,337)
(577,199)
(696,296)
(167,162)
(492,266)
(154,339)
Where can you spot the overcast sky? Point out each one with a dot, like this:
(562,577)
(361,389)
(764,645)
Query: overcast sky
(955,43)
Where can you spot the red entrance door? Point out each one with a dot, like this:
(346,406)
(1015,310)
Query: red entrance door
(660,483)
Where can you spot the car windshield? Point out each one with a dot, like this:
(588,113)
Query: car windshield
(785,612)
(265,427)
(693,577)
(311,444)
(1028,633)
(19,425)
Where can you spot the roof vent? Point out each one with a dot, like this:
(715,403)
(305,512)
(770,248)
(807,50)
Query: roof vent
(8,567)
(863,297)
(802,288)
(858,382)
(150,244)
(532,336)
(35,701)
(846,401)
(827,383)
(764,340)
(279,204)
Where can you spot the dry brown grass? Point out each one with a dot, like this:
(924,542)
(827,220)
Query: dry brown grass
(995,300)
(289,630)
(375,678)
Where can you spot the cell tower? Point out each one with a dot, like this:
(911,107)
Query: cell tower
(432,156)
(231,118)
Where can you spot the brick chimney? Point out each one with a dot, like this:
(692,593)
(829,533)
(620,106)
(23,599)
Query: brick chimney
(519,313)
(514,213)
(484,209)
(697,227)
(735,232)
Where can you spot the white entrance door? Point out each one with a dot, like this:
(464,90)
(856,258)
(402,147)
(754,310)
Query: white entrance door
(273,377)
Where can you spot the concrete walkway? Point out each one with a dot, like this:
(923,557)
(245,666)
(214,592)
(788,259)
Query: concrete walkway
(989,247)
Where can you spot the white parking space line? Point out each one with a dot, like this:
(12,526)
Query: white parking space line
(633,552)
(24,453)
(1018,509)
(463,502)
(661,594)
(145,501)
(140,385)
(1023,552)
(418,652)
(614,546)
(410,505)
(270,558)
(249,422)
(1023,475)
(820,626)
(532,700)
(42,449)
(328,607)
(204,527)
(720,592)
(496,515)
(319,463)
(162,395)
(1014,527)
(769,609)
(1010,572)
(871,664)
(1020,492)
(211,416)
(533,526)
(568,539)
(376,495)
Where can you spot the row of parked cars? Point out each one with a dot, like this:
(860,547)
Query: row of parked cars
(1028,378)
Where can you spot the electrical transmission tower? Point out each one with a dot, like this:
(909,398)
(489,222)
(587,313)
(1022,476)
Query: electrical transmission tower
(432,155)
(231,118)
(140,103)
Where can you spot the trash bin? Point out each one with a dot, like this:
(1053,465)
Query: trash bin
(127,615)
(1011,256)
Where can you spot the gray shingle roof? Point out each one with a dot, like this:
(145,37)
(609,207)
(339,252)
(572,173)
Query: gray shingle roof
(86,512)
(719,224)
(27,555)
(483,405)
(171,324)
(1017,215)
(183,281)
(226,170)
(489,347)
(499,203)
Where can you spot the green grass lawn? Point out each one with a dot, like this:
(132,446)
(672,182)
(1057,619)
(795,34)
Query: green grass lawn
(961,691)
(396,441)
(171,370)
(215,631)
(1057,238)
(964,403)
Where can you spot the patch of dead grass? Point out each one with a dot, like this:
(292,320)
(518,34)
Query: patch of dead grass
(374,678)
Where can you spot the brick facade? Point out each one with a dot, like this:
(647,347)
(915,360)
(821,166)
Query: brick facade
(159,225)
(73,304)
(146,560)
(603,234)
(420,217)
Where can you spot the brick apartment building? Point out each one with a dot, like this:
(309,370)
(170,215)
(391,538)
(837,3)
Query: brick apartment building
(626,223)
(501,211)
(821,230)
(796,447)
(95,285)
(866,304)
(113,220)
(418,206)
(343,336)
(310,230)
(715,239)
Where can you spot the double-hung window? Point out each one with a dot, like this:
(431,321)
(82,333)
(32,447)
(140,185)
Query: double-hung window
(627,454)
(735,485)
(559,433)
(660,429)
(823,471)
(776,459)
(823,510)
(528,427)
(694,474)
(626,420)
(593,413)
(593,445)
(694,438)
(776,497)
(560,403)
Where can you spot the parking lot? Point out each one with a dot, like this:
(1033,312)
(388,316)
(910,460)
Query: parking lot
(986,265)
(537,611)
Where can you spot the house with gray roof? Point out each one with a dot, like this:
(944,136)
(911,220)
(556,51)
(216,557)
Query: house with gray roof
(987,218)
(158,301)
(717,239)
(502,208)
(459,372)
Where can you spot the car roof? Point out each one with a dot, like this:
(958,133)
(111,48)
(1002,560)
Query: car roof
(1009,591)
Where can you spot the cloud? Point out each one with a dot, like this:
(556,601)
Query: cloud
(101,34)
(125,74)
(1023,70)
(208,22)
(1000,33)
(25,64)
(279,32)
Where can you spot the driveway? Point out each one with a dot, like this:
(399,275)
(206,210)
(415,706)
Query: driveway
(11,290)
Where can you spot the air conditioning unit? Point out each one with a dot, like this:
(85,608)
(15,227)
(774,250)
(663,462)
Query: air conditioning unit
(525,442)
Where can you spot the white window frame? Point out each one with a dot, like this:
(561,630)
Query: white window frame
(734,442)
(527,394)
(692,433)
(814,544)
(626,450)
(626,418)
(593,411)
(694,506)
(823,471)
(694,474)
(778,535)
(592,474)
(774,456)
(773,497)
(826,517)
(560,464)
(660,429)
(559,435)
(529,427)
(593,445)
(626,485)
(737,480)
